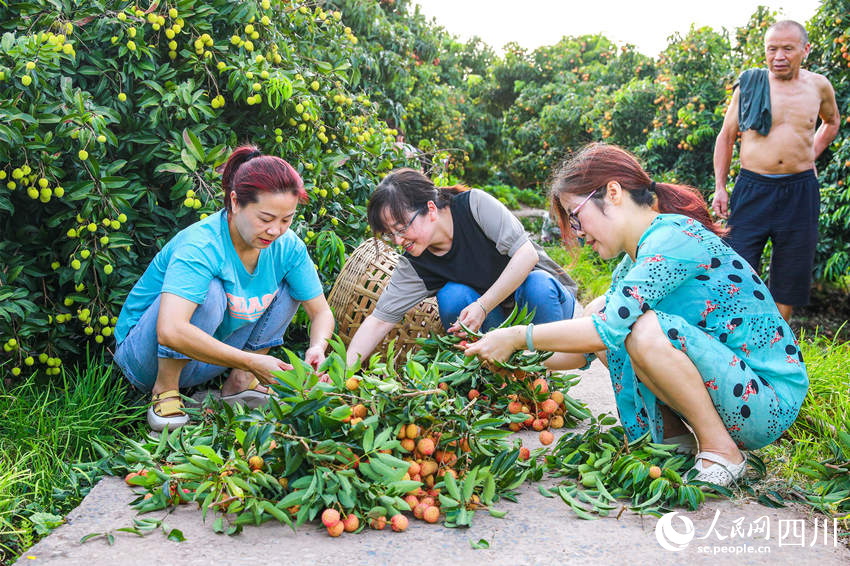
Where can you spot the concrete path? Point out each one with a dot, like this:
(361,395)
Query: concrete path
(536,530)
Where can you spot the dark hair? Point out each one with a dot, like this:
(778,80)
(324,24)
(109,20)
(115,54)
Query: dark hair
(595,165)
(247,172)
(804,35)
(404,191)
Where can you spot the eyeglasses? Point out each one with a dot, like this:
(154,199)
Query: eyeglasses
(401,233)
(575,223)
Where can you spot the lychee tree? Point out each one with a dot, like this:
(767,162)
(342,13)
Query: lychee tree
(113,117)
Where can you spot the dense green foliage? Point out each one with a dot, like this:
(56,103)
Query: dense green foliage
(114,117)
(112,120)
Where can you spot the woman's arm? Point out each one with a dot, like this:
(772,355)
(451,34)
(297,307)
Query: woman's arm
(174,330)
(367,338)
(574,336)
(321,329)
(515,272)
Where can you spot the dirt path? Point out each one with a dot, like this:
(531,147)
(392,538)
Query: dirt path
(536,530)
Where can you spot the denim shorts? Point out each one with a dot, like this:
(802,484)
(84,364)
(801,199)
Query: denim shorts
(137,355)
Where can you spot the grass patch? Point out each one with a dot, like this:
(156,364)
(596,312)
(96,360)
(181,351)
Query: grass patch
(514,198)
(825,410)
(591,272)
(45,427)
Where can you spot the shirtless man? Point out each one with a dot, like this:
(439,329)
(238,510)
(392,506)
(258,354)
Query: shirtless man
(776,195)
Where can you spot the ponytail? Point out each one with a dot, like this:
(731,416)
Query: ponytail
(247,171)
(685,200)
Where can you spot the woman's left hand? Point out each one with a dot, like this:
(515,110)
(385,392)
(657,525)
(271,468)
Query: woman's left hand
(315,355)
(497,345)
(472,317)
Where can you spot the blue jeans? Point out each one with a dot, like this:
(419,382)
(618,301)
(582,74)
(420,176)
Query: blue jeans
(138,354)
(540,291)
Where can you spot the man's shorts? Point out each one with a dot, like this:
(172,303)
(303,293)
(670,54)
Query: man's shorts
(784,210)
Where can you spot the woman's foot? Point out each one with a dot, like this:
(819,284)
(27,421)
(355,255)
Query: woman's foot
(166,410)
(243,387)
(719,469)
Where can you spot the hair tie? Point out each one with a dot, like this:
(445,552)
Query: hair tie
(253,154)
(652,187)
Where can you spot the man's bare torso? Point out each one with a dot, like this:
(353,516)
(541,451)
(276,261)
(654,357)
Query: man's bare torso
(789,146)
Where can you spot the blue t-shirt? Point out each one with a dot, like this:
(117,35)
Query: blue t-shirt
(204,251)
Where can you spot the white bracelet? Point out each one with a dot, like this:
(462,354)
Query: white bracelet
(482,307)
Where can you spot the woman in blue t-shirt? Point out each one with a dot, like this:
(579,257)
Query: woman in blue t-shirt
(221,293)
(688,330)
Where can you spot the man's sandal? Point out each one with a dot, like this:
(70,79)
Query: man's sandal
(166,410)
(250,397)
(722,473)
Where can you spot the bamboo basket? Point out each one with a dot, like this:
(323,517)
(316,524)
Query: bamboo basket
(354,295)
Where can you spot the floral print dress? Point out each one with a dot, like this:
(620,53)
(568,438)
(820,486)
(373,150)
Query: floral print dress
(712,306)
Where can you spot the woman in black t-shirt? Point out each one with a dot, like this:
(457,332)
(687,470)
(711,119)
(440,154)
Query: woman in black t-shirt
(465,247)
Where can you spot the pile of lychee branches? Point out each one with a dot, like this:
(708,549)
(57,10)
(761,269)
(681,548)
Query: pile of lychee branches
(365,443)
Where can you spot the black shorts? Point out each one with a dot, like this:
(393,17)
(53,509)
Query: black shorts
(784,210)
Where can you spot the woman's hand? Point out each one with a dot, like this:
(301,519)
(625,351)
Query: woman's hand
(262,366)
(498,345)
(472,317)
(315,355)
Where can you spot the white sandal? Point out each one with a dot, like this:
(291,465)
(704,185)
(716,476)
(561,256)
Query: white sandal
(166,410)
(249,396)
(685,443)
(722,473)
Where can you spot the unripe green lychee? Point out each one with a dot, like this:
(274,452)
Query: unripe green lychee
(83,154)
(107,269)
(122,97)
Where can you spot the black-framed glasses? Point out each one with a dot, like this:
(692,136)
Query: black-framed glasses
(401,233)
(575,223)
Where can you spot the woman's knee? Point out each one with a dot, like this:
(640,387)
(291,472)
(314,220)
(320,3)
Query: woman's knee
(645,337)
(210,314)
(542,292)
(454,297)
(595,306)
(538,286)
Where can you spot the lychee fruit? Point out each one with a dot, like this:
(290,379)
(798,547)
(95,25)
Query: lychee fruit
(546,437)
(425,446)
(351,523)
(431,515)
(336,529)
(330,517)
(398,523)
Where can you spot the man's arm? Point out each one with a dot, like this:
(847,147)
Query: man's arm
(723,148)
(830,119)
